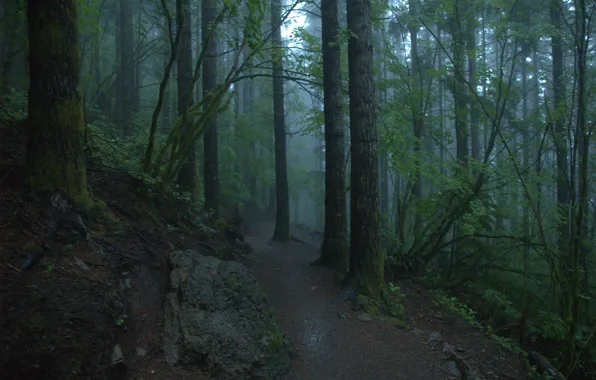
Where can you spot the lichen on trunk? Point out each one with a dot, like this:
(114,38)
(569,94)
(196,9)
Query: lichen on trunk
(56,138)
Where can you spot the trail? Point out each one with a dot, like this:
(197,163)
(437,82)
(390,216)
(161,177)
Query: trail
(333,343)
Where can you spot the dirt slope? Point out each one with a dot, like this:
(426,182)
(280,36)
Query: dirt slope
(62,317)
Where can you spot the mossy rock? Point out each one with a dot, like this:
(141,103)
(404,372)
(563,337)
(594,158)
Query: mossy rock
(222,300)
(278,353)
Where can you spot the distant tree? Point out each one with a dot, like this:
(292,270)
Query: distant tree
(282,210)
(127,69)
(334,248)
(211,163)
(187,176)
(55,146)
(366,260)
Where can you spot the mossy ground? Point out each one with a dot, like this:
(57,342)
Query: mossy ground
(278,351)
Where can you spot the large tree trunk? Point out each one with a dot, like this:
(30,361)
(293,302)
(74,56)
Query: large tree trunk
(210,141)
(366,260)
(55,146)
(187,177)
(580,246)
(334,250)
(560,135)
(282,209)
(127,72)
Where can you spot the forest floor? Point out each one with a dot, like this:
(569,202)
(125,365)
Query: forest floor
(336,342)
(63,317)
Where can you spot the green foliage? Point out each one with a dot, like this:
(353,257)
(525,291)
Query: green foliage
(453,305)
(13,105)
(393,300)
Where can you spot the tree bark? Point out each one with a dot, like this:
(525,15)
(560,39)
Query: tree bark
(55,145)
(282,209)
(187,176)
(366,260)
(334,250)
(459,89)
(127,71)
(210,139)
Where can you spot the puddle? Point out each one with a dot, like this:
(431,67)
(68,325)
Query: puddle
(315,335)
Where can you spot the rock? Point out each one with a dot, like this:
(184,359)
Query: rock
(343,315)
(454,364)
(434,338)
(544,366)
(141,352)
(217,318)
(117,355)
(365,317)
(450,368)
(118,367)
(81,264)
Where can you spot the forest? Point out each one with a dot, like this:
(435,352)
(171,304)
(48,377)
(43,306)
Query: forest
(445,143)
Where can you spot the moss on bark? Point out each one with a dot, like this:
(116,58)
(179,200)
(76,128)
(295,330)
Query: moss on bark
(56,138)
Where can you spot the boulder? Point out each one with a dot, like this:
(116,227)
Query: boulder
(455,365)
(217,318)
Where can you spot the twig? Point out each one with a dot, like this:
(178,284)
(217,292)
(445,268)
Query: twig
(11,267)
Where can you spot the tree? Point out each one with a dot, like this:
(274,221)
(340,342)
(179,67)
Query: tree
(127,69)
(211,164)
(334,248)
(55,144)
(187,177)
(282,199)
(366,260)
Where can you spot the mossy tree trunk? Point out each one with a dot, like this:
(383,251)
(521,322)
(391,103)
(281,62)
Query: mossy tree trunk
(210,140)
(366,260)
(282,199)
(334,250)
(187,176)
(55,146)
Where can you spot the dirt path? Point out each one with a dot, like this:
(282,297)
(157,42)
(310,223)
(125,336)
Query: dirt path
(332,343)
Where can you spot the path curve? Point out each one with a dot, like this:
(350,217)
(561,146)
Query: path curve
(327,346)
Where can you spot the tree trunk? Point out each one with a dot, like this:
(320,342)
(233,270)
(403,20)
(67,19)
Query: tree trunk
(473,104)
(459,90)
(118,85)
(577,259)
(127,72)
(167,105)
(282,210)
(136,90)
(334,251)
(417,109)
(187,177)
(55,145)
(366,260)
(210,140)
(560,136)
